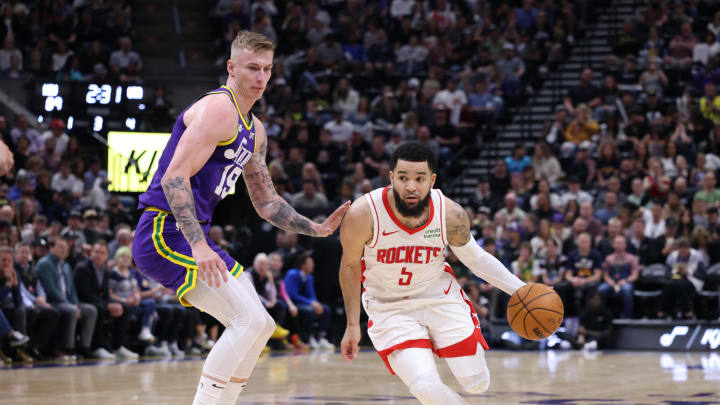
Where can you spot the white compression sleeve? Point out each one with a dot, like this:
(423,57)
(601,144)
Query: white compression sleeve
(486,266)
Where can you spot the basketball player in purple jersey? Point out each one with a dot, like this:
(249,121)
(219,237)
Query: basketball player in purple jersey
(214,141)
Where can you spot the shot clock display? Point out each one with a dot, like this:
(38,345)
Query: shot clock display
(97,106)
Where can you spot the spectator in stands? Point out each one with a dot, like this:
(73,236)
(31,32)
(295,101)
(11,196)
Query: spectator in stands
(595,326)
(124,289)
(92,283)
(64,181)
(620,271)
(628,43)
(511,211)
(309,201)
(710,104)
(452,99)
(705,51)
(523,266)
(57,133)
(518,161)
(681,48)
(121,58)
(300,287)
(546,165)
(583,127)
(586,93)
(584,267)
(575,192)
(709,194)
(22,129)
(610,210)
(554,132)
(594,226)
(56,279)
(686,265)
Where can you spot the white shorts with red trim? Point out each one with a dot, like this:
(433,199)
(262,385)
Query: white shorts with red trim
(442,319)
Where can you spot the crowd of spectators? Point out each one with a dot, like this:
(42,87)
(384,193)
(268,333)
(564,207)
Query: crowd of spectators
(65,40)
(624,177)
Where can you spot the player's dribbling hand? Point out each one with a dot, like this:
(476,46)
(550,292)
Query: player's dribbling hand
(349,345)
(333,221)
(209,264)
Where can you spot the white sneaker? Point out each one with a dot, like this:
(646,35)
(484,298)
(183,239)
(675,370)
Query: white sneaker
(146,335)
(314,344)
(565,345)
(165,348)
(324,344)
(210,344)
(175,350)
(152,350)
(103,354)
(125,353)
(590,345)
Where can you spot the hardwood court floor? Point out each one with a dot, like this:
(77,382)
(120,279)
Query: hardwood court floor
(619,378)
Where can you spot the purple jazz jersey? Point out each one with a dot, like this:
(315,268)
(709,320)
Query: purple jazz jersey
(214,180)
(159,248)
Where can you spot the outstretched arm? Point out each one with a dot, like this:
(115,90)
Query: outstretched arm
(355,231)
(481,263)
(273,208)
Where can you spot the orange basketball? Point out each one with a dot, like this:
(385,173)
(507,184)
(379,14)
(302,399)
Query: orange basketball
(535,311)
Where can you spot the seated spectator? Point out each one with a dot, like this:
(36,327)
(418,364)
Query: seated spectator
(92,282)
(595,326)
(594,227)
(610,210)
(585,93)
(121,58)
(710,104)
(56,279)
(309,201)
(549,264)
(686,265)
(681,49)
(628,43)
(554,132)
(583,268)
(583,127)
(546,165)
(575,193)
(707,50)
(523,267)
(620,271)
(708,193)
(518,161)
(511,211)
(61,139)
(262,279)
(653,79)
(484,103)
(300,287)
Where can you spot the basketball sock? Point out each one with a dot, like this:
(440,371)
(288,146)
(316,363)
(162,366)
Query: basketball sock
(230,395)
(208,391)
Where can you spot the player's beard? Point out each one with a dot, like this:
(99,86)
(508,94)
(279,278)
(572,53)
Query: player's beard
(408,211)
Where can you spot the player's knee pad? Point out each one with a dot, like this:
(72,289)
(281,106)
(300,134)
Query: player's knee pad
(429,389)
(476,384)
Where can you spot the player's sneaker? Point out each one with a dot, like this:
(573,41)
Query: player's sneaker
(324,344)
(590,346)
(314,344)
(125,353)
(103,354)
(152,350)
(146,335)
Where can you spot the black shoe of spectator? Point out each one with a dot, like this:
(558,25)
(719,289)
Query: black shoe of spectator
(36,354)
(17,339)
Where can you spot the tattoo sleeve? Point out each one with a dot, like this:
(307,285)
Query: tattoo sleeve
(458,225)
(182,204)
(266,200)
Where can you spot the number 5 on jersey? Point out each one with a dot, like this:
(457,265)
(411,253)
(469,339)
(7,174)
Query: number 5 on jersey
(406,281)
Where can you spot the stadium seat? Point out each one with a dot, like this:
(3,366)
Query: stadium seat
(649,287)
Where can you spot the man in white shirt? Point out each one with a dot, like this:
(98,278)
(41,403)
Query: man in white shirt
(340,129)
(575,193)
(654,222)
(66,181)
(401,8)
(704,51)
(56,131)
(121,58)
(451,98)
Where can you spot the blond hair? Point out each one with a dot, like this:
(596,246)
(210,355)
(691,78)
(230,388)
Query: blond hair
(251,41)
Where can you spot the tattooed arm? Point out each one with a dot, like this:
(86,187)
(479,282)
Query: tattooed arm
(211,120)
(273,208)
(481,263)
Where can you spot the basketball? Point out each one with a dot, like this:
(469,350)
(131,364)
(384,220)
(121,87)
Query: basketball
(535,311)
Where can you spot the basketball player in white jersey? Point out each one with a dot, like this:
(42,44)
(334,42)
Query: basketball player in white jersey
(394,242)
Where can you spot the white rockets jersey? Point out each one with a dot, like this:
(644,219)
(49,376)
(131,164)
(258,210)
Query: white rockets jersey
(399,262)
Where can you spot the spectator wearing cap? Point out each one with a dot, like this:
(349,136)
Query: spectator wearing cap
(575,192)
(92,283)
(511,68)
(56,278)
(91,219)
(65,181)
(57,132)
(686,265)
